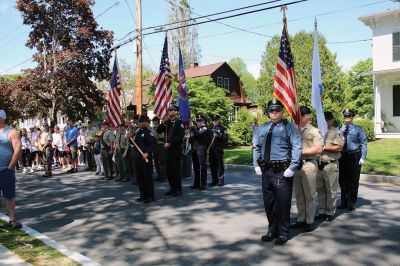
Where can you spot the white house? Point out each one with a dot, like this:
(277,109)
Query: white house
(385,28)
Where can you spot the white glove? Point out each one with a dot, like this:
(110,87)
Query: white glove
(258,170)
(361,161)
(288,173)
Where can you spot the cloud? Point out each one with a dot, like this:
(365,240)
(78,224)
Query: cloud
(254,69)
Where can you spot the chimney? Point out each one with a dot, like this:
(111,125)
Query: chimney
(193,65)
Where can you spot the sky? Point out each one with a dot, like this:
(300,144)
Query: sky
(337,21)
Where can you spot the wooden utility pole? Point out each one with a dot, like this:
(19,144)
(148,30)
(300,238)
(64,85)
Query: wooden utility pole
(139,50)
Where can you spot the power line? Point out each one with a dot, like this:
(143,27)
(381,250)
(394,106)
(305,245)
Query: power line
(10,33)
(115,4)
(353,41)
(23,62)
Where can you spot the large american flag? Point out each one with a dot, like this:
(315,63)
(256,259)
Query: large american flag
(285,88)
(114,114)
(163,94)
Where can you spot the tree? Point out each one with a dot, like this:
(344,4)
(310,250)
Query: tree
(186,37)
(249,82)
(360,96)
(333,79)
(72,52)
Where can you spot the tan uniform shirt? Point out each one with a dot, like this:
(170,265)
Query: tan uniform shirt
(108,137)
(90,133)
(332,137)
(121,141)
(311,137)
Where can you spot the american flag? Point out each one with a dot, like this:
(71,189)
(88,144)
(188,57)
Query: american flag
(114,105)
(163,94)
(285,88)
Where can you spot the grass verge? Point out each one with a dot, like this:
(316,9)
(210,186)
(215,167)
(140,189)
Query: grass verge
(382,158)
(30,249)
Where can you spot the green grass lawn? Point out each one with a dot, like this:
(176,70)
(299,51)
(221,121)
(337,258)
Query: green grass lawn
(30,249)
(383,157)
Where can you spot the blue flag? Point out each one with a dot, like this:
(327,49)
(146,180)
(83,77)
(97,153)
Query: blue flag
(183,97)
(317,87)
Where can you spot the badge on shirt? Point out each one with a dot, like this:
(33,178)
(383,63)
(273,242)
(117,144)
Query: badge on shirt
(143,135)
(152,134)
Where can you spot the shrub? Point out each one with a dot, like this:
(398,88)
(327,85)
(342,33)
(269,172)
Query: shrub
(368,126)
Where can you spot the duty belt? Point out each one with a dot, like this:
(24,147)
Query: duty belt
(325,163)
(277,166)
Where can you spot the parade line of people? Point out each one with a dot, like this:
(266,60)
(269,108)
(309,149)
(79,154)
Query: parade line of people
(285,156)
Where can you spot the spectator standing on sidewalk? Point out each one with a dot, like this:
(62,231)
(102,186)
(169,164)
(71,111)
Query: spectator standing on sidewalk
(10,152)
(71,135)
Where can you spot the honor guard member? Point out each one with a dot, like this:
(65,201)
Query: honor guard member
(305,178)
(201,138)
(173,138)
(90,133)
(107,146)
(47,149)
(121,142)
(354,154)
(145,141)
(276,155)
(216,157)
(159,152)
(328,174)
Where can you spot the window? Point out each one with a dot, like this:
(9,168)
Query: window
(226,84)
(396,46)
(396,100)
(220,82)
(235,113)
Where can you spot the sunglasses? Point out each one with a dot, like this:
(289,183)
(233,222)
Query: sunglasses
(275,110)
(346,116)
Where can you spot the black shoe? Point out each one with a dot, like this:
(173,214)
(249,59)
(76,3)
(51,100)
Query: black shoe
(268,237)
(14,224)
(47,175)
(320,217)
(148,200)
(75,170)
(118,179)
(135,183)
(329,218)
(194,187)
(298,225)
(168,193)
(343,206)
(351,208)
(70,170)
(108,178)
(212,184)
(281,240)
(139,199)
(220,183)
(310,227)
(176,194)
(202,187)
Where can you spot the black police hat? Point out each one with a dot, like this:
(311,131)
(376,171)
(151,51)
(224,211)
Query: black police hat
(200,117)
(143,118)
(274,104)
(173,107)
(304,110)
(216,118)
(328,115)
(348,111)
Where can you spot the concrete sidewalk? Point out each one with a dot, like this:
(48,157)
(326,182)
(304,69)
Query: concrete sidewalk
(218,226)
(7,258)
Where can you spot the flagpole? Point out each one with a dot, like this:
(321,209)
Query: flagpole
(122,88)
(139,82)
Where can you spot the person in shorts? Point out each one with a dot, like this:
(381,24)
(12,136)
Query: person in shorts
(71,135)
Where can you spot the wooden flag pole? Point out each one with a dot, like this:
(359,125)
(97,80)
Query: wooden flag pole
(137,147)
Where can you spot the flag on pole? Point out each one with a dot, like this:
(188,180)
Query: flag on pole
(317,86)
(183,97)
(285,87)
(163,94)
(114,114)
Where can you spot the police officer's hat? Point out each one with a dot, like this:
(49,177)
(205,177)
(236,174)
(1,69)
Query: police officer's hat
(304,110)
(328,115)
(200,118)
(349,112)
(173,107)
(143,118)
(216,118)
(274,104)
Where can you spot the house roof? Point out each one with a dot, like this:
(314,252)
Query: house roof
(389,12)
(201,71)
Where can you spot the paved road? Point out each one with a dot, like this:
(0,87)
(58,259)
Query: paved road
(218,226)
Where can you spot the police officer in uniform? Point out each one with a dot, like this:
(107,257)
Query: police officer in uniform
(328,174)
(201,139)
(145,140)
(173,132)
(354,154)
(276,155)
(216,157)
(305,179)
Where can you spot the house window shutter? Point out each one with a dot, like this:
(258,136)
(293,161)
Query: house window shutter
(220,82)
(396,46)
(396,100)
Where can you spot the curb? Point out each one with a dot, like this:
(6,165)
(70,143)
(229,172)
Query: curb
(54,244)
(395,180)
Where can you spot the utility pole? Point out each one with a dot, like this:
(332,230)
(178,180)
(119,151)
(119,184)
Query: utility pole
(139,82)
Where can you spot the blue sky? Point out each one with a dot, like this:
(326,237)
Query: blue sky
(216,45)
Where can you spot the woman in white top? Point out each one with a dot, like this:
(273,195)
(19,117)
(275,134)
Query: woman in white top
(26,152)
(58,146)
(81,147)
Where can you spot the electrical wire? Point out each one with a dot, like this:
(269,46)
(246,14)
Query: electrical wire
(102,13)
(19,64)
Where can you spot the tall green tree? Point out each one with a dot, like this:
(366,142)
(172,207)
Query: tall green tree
(333,79)
(360,95)
(249,82)
(72,52)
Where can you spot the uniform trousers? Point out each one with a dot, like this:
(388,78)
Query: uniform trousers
(173,160)
(90,156)
(277,196)
(304,183)
(48,159)
(349,178)
(144,177)
(160,161)
(199,156)
(122,163)
(107,162)
(216,159)
(327,182)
